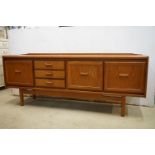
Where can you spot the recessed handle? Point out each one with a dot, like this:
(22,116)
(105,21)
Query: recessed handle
(49,74)
(49,82)
(123,75)
(48,64)
(17,71)
(84,73)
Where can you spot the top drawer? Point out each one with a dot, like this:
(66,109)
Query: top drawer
(49,64)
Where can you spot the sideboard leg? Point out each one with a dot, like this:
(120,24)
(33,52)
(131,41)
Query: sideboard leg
(21,97)
(34,97)
(123,106)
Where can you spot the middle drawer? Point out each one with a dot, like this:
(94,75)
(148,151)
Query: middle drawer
(49,74)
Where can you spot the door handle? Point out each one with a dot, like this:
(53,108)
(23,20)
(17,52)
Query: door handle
(84,73)
(123,75)
(17,71)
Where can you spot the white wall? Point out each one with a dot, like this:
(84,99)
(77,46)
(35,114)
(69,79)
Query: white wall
(90,39)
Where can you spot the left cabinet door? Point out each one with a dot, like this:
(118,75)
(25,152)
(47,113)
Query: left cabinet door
(18,72)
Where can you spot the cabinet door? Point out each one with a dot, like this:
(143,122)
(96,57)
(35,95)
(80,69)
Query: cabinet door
(125,77)
(85,75)
(18,72)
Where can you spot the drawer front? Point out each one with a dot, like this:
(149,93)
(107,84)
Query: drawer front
(50,83)
(19,73)
(85,75)
(49,64)
(49,74)
(125,77)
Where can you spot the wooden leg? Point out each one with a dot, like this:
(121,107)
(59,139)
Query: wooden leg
(34,97)
(123,106)
(21,97)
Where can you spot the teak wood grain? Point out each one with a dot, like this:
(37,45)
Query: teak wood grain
(94,77)
(85,75)
(50,83)
(19,73)
(49,64)
(126,76)
(49,74)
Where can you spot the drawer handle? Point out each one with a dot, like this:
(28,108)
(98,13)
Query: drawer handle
(48,82)
(17,71)
(123,75)
(49,74)
(84,73)
(47,64)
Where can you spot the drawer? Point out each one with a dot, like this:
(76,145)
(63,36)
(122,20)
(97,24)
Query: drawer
(49,74)
(85,75)
(49,64)
(50,83)
(125,77)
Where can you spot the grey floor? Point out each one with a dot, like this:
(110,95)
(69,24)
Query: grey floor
(59,113)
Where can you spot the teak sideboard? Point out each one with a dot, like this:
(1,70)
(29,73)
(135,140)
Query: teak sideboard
(94,77)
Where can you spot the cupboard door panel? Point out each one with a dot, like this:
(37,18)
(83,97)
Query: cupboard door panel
(19,73)
(125,77)
(85,75)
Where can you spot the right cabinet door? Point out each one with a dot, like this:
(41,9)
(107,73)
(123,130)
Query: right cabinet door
(125,77)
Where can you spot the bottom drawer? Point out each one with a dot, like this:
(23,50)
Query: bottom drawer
(50,83)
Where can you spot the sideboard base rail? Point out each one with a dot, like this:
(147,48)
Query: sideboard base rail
(75,94)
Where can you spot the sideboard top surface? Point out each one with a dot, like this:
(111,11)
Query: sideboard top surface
(80,55)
